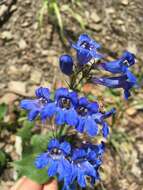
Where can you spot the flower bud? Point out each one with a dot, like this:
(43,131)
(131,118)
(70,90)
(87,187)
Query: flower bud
(66,64)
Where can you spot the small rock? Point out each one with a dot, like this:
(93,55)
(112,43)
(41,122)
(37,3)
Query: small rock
(3,9)
(12,70)
(110,10)
(35,77)
(125,2)
(25,68)
(13,8)
(18,145)
(97,27)
(131,111)
(2,145)
(95,17)
(17,86)
(7,35)
(132,47)
(22,44)
(119,22)
(8,98)
(8,148)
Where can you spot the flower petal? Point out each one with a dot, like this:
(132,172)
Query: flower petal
(81,179)
(41,161)
(61,92)
(80,124)
(105,130)
(65,146)
(53,143)
(71,117)
(60,116)
(91,126)
(48,111)
(53,167)
(32,114)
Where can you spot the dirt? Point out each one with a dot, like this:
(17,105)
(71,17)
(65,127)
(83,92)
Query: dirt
(29,58)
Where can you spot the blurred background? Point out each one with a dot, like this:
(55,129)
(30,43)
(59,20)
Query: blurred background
(33,34)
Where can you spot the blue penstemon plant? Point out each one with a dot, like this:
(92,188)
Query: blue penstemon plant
(73,160)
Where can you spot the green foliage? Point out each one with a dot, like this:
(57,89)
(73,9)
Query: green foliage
(3,110)
(27,168)
(32,146)
(26,131)
(3,160)
(57,10)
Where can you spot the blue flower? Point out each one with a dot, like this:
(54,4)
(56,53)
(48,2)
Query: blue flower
(122,81)
(63,107)
(81,168)
(35,106)
(120,65)
(100,119)
(55,159)
(66,64)
(85,111)
(86,49)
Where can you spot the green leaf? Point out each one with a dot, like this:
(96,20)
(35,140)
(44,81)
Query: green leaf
(25,132)
(2,159)
(40,142)
(58,15)
(27,168)
(3,110)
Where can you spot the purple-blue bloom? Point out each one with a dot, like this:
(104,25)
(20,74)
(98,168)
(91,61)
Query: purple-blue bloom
(35,106)
(117,82)
(66,64)
(63,107)
(120,65)
(86,49)
(55,159)
(100,119)
(85,111)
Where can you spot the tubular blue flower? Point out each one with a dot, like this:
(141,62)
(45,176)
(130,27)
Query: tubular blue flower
(62,107)
(100,119)
(35,106)
(120,65)
(85,111)
(81,168)
(86,49)
(66,64)
(66,101)
(55,159)
(117,82)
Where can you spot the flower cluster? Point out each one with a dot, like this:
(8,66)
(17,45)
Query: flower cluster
(87,50)
(80,162)
(67,108)
(71,164)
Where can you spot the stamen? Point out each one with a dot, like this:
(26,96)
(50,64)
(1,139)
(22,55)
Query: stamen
(65,103)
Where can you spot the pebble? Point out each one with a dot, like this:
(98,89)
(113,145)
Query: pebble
(95,17)
(35,77)
(18,145)
(7,35)
(3,9)
(131,111)
(17,86)
(132,47)
(97,27)
(8,98)
(12,70)
(125,2)
(8,148)
(22,44)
